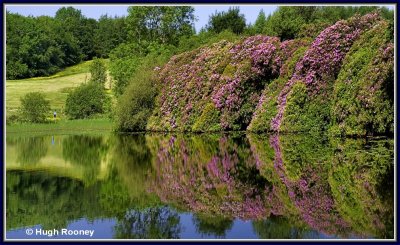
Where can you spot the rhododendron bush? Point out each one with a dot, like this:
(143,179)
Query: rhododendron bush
(341,81)
(363,100)
(226,78)
(303,103)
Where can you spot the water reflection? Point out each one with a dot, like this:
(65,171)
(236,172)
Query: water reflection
(30,149)
(216,226)
(151,223)
(85,151)
(291,186)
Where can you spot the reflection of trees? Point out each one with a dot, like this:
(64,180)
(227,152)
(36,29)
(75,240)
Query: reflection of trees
(126,181)
(278,227)
(30,149)
(39,198)
(289,186)
(212,225)
(310,191)
(151,223)
(87,152)
(132,161)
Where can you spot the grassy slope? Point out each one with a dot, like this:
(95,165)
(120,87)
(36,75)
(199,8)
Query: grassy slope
(55,88)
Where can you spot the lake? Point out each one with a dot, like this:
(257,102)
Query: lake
(198,186)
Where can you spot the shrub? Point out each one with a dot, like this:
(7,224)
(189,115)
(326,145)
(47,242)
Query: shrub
(13,119)
(363,99)
(129,59)
(208,120)
(137,101)
(228,75)
(267,105)
(98,71)
(86,100)
(322,61)
(34,107)
(136,104)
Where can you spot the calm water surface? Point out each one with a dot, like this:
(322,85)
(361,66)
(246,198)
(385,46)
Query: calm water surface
(162,186)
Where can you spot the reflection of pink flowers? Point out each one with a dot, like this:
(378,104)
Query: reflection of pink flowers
(210,186)
(311,195)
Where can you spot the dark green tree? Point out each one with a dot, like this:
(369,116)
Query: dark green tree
(81,28)
(287,21)
(231,20)
(110,33)
(260,22)
(31,46)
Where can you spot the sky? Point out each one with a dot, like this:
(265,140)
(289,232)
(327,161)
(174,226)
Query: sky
(202,12)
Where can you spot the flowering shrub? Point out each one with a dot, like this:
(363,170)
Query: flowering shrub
(231,76)
(267,105)
(261,84)
(322,61)
(363,96)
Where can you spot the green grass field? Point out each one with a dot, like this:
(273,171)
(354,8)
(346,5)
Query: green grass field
(55,87)
(99,125)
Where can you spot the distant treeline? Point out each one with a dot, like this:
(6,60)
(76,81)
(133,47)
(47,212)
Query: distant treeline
(40,46)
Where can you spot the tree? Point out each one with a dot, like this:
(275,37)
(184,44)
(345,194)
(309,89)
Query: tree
(34,107)
(230,20)
(260,22)
(38,46)
(136,104)
(285,22)
(98,72)
(110,33)
(81,28)
(32,49)
(162,24)
(86,100)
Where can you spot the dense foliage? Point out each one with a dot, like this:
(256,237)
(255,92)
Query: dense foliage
(363,95)
(98,72)
(87,100)
(34,107)
(231,20)
(291,71)
(262,84)
(308,100)
(41,46)
(215,87)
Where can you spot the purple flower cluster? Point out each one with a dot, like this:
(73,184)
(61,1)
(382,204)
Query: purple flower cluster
(322,61)
(219,74)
